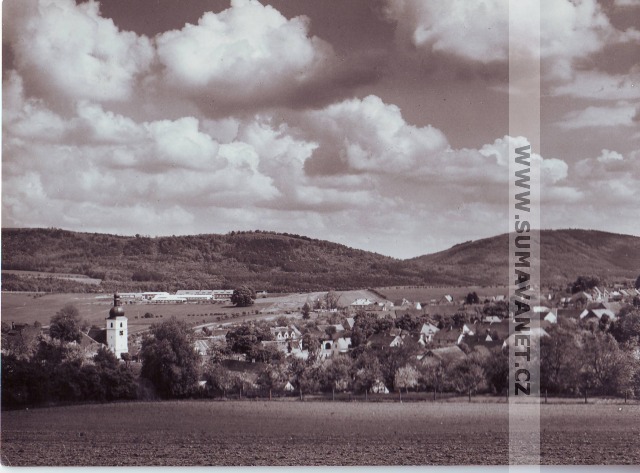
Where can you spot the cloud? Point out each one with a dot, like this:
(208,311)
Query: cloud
(602,86)
(620,115)
(478,34)
(250,55)
(69,50)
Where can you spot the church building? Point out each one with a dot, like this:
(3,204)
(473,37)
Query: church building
(117,329)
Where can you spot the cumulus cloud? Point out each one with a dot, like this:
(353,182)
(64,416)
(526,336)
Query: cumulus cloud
(478,33)
(249,54)
(70,50)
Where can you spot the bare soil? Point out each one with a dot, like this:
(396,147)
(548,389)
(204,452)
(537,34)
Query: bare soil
(310,433)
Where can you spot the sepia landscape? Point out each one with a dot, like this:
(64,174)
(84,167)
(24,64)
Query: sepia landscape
(304,233)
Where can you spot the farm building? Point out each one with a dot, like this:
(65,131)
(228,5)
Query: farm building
(444,355)
(222,294)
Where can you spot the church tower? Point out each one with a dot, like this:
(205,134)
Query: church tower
(117,328)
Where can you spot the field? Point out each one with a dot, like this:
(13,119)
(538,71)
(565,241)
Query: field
(310,433)
(426,293)
(69,277)
(94,308)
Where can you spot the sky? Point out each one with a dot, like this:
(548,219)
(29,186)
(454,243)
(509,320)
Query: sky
(378,124)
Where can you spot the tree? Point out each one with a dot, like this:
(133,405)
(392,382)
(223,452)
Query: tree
(627,326)
(337,374)
(467,376)
(407,322)
(472,298)
(558,368)
(244,338)
(219,379)
(638,282)
(496,368)
(366,371)
(584,283)
(406,377)
(169,359)
(117,381)
(274,377)
(244,296)
(65,324)
(332,300)
(363,328)
(306,311)
(605,367)
(311,343)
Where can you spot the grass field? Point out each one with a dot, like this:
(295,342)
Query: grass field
(426,293)
(94,308)
(310,433)
(69,277)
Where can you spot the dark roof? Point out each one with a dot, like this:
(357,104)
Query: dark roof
(447,335)
(569,313)
(445,354)
(500,328)
(98,334)
(242,366)
(380,340)
(86,341)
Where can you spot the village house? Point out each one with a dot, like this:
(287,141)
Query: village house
(332,346)
(447,336)
(443,355)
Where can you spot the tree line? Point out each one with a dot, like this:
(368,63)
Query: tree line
(595,357)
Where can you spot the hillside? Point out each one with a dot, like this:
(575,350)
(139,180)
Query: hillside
(269,261)
(284,262)
(565,255)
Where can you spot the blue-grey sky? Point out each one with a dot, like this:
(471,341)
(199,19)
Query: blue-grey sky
(379,124)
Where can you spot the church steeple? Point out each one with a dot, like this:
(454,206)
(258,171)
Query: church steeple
(116,310)
(117,328)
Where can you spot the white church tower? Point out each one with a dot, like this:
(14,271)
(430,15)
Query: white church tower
(117,329)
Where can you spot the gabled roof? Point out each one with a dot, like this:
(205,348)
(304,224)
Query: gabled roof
(581,295)
(98,334)
(598,313)
(445,354)
(350,322)
(447,335)
(428,328)
(88,343)
(380,340)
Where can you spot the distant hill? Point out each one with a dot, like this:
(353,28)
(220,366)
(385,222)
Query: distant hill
(565,255)
(270,261)
(285,262)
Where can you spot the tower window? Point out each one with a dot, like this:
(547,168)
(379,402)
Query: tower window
(120,324)
(111,324)
(121,332)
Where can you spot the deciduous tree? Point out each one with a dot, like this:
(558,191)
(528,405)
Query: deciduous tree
(244,296)
(169,359)
(65,324)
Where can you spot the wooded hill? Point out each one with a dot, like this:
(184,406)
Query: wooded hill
(285,262)
(565,254)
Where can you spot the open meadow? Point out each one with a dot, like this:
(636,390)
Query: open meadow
(310,433)
(94,308)
(427,293)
